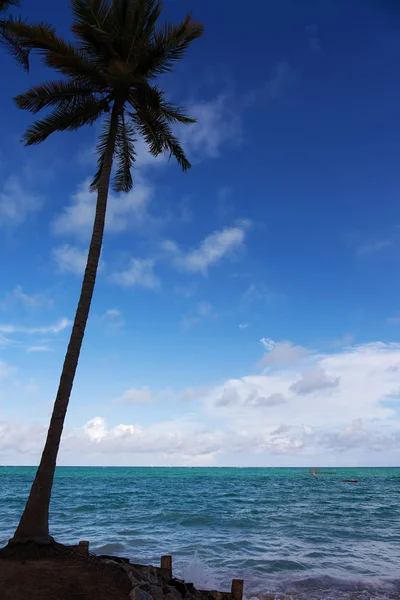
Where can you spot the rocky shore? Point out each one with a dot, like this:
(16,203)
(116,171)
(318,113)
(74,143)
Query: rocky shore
(153,583)
(71,573)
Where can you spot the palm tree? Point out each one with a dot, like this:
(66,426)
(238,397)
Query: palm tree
(6,38)
(109,73)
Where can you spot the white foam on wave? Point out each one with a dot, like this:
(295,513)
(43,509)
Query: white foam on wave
(110,548)
(196,571)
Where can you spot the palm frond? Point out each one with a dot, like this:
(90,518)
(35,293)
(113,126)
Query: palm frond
(39,36)
(91,12)
(138,19)
(167,46)
(174,113)
(54,93)
(6,4)
(125,154)
(65,118)
(11,44)
(95,27)
(80,67)
(144,95)
(175,149)
(159,137)
(101,151)
(147,127)
(56,52)
(152,11)
(152,97)
(96,42)
(120,49)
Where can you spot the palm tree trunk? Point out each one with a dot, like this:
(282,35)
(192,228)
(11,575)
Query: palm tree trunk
(34,523)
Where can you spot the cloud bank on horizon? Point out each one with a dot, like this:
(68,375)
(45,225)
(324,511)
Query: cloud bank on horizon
(308,408)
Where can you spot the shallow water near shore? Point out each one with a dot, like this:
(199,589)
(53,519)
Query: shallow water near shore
(282,531)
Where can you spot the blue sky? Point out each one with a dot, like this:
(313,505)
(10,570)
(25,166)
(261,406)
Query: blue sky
(246,312)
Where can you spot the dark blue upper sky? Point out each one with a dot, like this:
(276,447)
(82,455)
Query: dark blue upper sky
(295,187)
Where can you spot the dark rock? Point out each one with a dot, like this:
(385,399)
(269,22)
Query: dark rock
(117,559)
(180,586)
(168,589)
(138,594)
(134,582)
(155,592)
(173,596)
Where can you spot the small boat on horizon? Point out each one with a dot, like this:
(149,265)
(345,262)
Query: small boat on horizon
(349,480)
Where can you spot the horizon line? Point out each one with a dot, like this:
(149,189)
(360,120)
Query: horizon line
(204,467)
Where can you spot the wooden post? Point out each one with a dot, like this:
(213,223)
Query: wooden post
(83,547)
(237,589)
(166,563)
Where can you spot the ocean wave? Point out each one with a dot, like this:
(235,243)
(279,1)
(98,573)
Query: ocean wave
(110,548)
(281,532)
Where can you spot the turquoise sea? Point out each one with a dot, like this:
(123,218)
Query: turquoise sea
(282,531)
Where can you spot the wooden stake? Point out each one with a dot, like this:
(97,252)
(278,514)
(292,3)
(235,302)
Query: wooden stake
(84,547)
(237,589)
(166,563)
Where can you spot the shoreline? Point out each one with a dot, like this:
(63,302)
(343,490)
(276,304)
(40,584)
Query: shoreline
(285,534)
(73,573)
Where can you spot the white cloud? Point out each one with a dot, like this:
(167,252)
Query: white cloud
(180,440)
(31,387)
(145,159)
(139,272)
(217,124)
(211,250)
(191,394)
(395,320)
(137,396)
(70,259)
(46,329)
(186,291)
(314,43)
(224,209)
(364,380)
(123,211)
(243,325)
(41,348)
(281,353)
(112,313)
(112,318)
(16,204)
(283,77)
(204,308)
(202,311)
(255,419)
(281,429)
(31,301)
(258,292)
(373,247)
(6,369)
(246,393)
(95,429)
(17,438)
(314,380)
(272,400)
(5,341)
(346,340)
